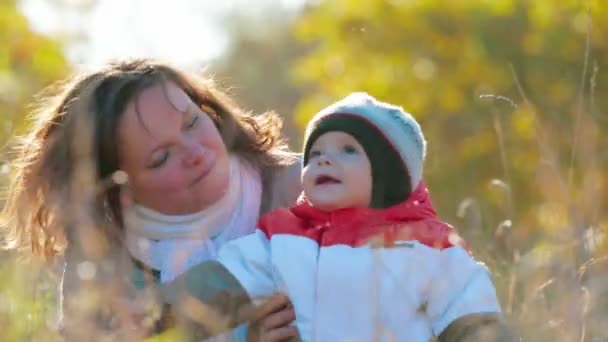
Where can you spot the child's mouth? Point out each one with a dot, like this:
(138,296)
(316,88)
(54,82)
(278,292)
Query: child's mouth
(325,179)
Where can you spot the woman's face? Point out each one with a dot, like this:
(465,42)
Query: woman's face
(172,151)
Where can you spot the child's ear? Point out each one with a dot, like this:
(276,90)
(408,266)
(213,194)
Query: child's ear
(302,198)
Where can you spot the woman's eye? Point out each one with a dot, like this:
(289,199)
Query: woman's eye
(350,149)
(192,121)
(160,161)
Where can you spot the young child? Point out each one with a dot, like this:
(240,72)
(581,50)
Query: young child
(362,254)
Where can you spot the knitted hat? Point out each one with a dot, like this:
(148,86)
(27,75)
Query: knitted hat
(391,138)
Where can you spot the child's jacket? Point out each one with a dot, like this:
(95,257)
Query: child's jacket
(396,274)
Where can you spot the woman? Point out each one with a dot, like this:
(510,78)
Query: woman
(125,150)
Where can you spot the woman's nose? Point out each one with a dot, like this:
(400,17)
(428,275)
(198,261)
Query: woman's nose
(194,154)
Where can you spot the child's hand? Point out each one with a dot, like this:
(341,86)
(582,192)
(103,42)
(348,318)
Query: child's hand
(272,321)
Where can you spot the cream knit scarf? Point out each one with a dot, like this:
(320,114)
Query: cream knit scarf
(174,243)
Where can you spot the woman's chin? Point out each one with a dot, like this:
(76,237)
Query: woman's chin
(212,188)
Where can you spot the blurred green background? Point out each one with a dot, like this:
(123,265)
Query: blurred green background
(510,94)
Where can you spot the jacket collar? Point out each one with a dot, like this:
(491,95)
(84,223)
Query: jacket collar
(417,206)
(413,219)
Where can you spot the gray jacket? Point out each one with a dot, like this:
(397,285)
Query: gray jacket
(281,188)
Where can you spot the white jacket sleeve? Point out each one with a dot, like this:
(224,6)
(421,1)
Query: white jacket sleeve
(248,260)
(460,286)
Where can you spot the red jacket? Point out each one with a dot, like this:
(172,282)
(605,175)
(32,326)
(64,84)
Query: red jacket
(401,267)
(413,219)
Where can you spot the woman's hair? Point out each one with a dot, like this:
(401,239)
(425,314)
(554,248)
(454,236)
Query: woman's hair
(65,170)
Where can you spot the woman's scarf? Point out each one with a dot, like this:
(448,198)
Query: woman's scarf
(173,243)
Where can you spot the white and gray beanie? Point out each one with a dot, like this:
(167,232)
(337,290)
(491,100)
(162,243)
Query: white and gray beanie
(391,137)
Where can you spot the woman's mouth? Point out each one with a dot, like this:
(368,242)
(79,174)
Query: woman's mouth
(326,179)
(201,176)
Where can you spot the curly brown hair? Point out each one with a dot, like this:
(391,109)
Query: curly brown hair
(66,168)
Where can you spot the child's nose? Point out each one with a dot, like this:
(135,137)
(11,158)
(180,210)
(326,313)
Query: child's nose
(324,159)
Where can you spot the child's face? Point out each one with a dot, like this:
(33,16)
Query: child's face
(338,174)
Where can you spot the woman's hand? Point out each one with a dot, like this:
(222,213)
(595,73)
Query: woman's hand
(272,321)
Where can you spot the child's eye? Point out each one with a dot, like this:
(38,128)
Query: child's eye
(350,149)
(160,161)
(314,153)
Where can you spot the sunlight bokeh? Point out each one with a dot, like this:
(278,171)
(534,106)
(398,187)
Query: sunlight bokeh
(187,32)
